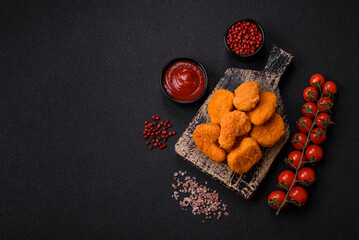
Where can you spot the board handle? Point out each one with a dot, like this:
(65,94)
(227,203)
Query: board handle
(276,64)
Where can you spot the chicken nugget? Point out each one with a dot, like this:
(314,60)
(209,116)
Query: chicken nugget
(239,139)
(205,137)
(270,132)
(246,96)
(233,124)
(221,103)
(264,109)
(241,159)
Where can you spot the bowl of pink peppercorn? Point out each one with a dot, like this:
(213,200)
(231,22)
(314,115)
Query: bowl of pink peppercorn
(244,38)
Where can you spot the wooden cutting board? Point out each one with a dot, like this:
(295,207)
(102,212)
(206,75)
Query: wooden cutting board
(268,79)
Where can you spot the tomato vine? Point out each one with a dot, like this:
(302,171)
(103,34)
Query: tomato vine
(320,123)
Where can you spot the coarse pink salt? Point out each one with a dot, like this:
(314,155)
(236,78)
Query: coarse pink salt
(199,198)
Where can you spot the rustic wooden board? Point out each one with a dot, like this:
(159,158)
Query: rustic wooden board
(268,79)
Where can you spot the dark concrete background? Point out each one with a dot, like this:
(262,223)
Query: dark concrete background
(79,78)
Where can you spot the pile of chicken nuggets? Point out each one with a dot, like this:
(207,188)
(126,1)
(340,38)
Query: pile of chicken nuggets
(240,124)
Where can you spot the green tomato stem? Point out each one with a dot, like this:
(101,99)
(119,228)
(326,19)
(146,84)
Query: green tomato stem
(286,200)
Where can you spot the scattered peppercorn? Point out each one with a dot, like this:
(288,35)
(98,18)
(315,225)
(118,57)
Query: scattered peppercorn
(158,131)
(244,37)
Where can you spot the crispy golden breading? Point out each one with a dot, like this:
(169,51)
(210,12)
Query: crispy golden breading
(233,124)
(221,103)
(239,139)
(241,159)
(264,109)
(246,96)
(270,132)
(205,137)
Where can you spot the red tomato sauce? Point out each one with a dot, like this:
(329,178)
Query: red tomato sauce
(184,80)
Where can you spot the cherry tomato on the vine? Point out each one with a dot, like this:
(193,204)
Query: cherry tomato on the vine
(310,94)
(318,135)
(314,153)
(317,78)
(323,120)
(306,176)
(276,198)
(309,109)
(285,179)
(299,140)
(294,159)
(325,104)
(329,88)
(299,195)
(304,124)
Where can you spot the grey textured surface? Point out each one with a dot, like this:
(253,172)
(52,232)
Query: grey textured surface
(79,78)
(268,79)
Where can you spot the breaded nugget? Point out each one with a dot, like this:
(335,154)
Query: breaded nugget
(221,103)
(233,124)
(239,139)
(205,137)
(246,96)
(264,109)
(270,132)
(241,159)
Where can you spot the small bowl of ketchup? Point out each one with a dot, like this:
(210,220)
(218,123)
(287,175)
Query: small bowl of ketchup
(184,80)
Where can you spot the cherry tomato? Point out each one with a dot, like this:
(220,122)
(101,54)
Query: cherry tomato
(304,124)
(299,195)
(323,120)
(330,88)
(275,199)
(306,176)
(299,140)
(285,179)
(318,135)
(309,109)
(314,153)
(317,78)
(294,159)
(310,94)
(325,104)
